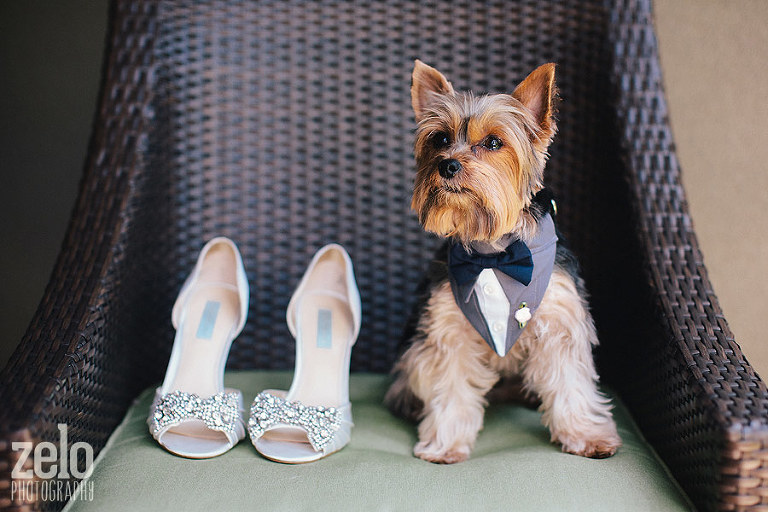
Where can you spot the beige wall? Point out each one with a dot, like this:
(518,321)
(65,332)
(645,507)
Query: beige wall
(714,56)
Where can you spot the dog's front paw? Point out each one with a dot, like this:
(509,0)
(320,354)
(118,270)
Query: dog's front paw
(599,448)
(431,452)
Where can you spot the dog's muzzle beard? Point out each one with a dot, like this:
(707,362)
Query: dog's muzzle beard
(455,212)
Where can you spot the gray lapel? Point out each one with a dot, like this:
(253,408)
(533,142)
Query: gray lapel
(543,248)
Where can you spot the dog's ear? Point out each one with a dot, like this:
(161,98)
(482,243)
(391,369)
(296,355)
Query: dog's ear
(427,83)
(538,93)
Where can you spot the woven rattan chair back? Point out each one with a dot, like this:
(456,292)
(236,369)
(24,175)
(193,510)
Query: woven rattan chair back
(287,125)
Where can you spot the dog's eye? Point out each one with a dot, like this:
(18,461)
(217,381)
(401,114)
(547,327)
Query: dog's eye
(441,140)
(492,143)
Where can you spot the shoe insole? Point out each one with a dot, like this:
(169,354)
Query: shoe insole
(325,328)
(211,314)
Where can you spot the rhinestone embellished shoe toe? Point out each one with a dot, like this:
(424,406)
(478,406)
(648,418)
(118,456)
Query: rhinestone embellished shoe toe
(314,418)
(193,415)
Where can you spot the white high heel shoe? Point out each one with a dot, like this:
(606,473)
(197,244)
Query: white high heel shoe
(314,418)
(193,415)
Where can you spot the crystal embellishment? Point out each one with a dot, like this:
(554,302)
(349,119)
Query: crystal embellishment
(320,423)
(219,412)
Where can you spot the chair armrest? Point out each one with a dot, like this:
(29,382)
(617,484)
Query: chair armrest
(692,391)
(77,363)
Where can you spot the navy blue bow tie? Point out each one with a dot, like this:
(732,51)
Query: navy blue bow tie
(515,261)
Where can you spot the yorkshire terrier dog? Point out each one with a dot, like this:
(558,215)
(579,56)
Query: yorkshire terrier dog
(504,298)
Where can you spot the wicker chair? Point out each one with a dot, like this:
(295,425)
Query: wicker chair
(286,125)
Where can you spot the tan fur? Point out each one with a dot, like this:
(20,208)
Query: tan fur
(444,377)
(451,369)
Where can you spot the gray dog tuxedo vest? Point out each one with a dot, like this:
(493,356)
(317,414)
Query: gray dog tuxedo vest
(500,292)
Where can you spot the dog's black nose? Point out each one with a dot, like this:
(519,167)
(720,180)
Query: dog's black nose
(448,168)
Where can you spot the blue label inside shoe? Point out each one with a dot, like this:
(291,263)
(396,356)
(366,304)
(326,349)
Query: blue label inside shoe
(324,328)
(208,320)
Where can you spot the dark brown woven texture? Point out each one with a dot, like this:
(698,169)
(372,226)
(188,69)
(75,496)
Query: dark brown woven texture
(286,125)
(690,387)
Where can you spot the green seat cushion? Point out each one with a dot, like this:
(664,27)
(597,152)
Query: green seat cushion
(513,467)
